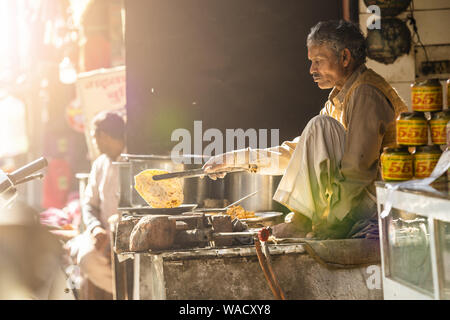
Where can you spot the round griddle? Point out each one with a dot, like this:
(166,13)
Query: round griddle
(144,210)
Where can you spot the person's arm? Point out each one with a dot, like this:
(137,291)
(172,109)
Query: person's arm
(275,160)
(269,161)
(91,200)
(91,207)
(369,114)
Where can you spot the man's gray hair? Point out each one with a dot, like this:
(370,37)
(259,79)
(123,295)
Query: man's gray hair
(338,35)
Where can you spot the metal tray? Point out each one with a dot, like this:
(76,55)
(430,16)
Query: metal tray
(264,216)
(168,211)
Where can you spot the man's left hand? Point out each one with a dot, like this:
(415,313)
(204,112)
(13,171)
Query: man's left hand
(100,238)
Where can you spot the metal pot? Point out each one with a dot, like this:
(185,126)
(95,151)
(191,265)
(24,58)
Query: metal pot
(124,183)
(197,190)
(140,163)
(239,184)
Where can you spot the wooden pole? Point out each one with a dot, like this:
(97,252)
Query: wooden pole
(346,10)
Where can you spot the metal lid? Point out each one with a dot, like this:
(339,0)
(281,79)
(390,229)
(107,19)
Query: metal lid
(118,163)
(144,157)
(411,115)
(428,83)
(160,157)
(396,149)
(428,149)
(445,114)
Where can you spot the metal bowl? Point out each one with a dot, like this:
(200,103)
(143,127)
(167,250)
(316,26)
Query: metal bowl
(239,184)
(264,219)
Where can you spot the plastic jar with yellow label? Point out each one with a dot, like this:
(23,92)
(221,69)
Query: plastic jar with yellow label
(438,127)
(425,159)
(396,164)
(412,129)
(448,147)
(448,94)
(426,96)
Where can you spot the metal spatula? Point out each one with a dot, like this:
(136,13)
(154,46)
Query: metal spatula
(190,174)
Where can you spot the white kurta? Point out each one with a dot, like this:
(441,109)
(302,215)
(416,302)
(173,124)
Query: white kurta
(102,191)
(102,194)
(308,184)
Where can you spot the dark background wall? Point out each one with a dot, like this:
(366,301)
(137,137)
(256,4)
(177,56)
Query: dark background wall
(230,63)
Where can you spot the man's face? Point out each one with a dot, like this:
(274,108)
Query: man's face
(326,68)
(100,140)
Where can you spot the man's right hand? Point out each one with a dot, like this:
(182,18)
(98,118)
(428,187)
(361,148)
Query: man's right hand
(219,163)
(100,238)
(226,162)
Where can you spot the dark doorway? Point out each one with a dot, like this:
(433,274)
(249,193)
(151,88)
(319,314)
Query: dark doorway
(229,63)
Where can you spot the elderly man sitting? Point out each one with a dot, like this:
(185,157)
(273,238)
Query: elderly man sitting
(329,170)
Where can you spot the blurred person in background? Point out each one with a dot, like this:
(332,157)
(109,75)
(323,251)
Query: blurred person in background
(100,201)
(30,257)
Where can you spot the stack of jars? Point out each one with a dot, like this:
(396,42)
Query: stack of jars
(417,152)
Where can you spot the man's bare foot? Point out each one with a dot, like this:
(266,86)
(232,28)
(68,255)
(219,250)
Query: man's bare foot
(295,226)
(310,235)
(287,230)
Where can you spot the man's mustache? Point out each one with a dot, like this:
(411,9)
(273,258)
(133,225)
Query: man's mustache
(316,75)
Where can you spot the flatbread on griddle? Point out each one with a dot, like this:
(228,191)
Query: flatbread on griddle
(166,193)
